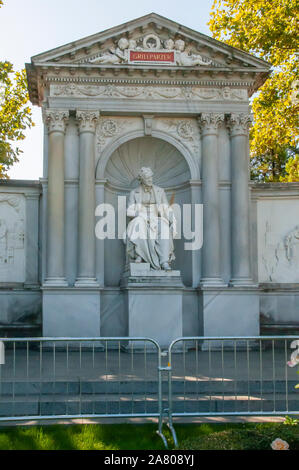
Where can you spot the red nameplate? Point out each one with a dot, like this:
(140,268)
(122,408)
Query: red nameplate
(146,56)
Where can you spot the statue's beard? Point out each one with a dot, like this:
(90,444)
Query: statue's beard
(147,187)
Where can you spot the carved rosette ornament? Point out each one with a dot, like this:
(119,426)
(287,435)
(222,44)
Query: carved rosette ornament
(56,120)
(239,124)
(87,120)
(210,122)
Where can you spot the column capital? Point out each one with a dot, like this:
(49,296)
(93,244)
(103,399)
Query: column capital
(87,120)
(210,122)
(56,120)
(239,124)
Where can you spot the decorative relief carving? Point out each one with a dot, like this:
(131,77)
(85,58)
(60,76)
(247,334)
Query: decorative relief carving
(12,227)
(239,124)
(179,53)
(291,243)
(210,122)
(109,128)
(56,120)
(151,92)
(151,41)
(280,254)
(187,59)
(87,120)
(184,130)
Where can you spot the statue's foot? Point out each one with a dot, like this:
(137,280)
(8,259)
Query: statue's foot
(166,267)
(138,259)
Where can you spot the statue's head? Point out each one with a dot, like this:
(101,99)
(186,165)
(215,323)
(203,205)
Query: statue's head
(169,44)
(123,43)
(132,44)
(179,45)
(145,176)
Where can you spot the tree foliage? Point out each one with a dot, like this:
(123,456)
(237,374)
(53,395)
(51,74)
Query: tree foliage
(15,114)
(268,29)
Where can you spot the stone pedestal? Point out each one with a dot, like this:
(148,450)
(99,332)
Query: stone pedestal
(229,312)
(154,302)
(71,312)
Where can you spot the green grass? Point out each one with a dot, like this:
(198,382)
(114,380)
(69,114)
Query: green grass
(143,436)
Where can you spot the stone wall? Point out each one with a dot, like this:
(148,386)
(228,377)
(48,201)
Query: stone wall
(20,296)
(277,218)
(274,255)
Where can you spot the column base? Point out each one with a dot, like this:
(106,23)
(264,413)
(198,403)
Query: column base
(212,282)
(86,282)
(55,282)
(242,282)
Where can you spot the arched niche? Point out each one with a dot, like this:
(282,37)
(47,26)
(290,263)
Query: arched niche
(171,172)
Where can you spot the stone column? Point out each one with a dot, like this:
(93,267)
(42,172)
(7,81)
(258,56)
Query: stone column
(195,186)
(100,244)
(56,121)
(239,127)
(87,121)
(209,123)
(31,240)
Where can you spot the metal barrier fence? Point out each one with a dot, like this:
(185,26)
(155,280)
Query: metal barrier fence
(229,376)
(121,377)
(71,378)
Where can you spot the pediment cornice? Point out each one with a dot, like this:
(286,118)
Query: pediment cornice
(151,46)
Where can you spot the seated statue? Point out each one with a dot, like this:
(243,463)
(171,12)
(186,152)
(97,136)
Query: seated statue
(150,233)
(185,59)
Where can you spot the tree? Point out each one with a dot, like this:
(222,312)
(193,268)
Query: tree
(267,28)
(15,115)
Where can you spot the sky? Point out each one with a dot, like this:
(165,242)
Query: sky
(31,27)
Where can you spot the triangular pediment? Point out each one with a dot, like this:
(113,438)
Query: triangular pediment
(152,47)
(149,40)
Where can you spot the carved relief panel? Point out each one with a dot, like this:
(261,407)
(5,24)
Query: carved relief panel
(180,132)
(278,241)
(12,234)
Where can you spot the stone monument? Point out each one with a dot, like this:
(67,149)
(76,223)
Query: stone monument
(154,293)
(147,94)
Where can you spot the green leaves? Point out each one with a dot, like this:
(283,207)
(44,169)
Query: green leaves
(15,116)
(267,29)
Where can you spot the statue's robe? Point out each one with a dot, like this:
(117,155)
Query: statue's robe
(152,228)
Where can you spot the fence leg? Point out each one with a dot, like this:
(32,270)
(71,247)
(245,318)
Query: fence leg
(160,398)
(170,422)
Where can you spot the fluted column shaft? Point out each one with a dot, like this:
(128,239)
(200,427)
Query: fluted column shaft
(87,121)
(209,123)
(56,121)
(239,126)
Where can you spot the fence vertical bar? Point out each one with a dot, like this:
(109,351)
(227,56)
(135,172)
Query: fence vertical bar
(273,368)
(261,375)
(170,402)
(67,377)
(40,376)
(286,375)
(210,365)
(160,398)
(235,374)
(14,379)
(248,374)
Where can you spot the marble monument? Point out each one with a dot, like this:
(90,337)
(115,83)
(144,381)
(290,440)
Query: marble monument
(150,93)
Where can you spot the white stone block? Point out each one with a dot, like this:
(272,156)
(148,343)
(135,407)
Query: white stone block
(155,314)
(232,312)
(71,313)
